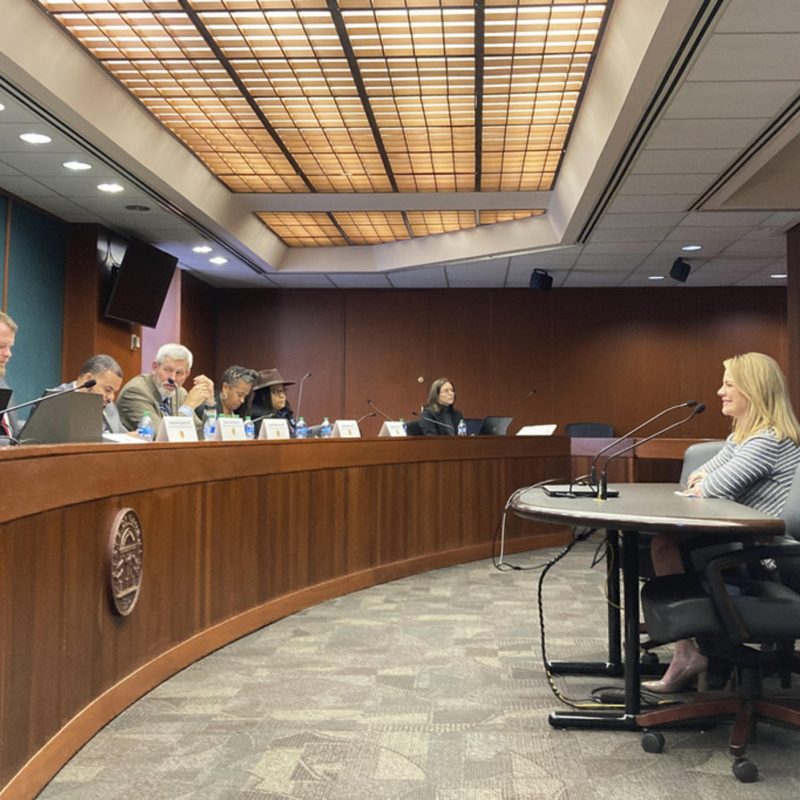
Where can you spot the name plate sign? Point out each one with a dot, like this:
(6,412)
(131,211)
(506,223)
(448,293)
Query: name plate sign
(346,429)
(176,429)
(391,428)
(230,429)
(274,429)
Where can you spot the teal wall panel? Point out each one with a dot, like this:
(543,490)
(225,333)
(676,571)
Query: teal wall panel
(35,300)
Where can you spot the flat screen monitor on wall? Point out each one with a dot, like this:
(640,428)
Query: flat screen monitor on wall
(141,284)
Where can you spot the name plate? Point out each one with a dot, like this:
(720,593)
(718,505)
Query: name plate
(177,429)
(274,429)
(230,429)
(346,429)
(391,428)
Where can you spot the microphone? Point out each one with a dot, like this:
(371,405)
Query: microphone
(376,409)
(364,416)
(697,408)
(531,393)
(447,425)
(593,469)
(85,385)
(300,394)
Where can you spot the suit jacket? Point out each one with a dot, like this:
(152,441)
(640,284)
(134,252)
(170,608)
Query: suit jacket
(141,395)
(443,423)
(12,417)
(111,420)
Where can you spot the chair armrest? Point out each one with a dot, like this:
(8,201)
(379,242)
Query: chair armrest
(723,600)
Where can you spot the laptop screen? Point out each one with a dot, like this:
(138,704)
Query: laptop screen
(63,418)
(495,426)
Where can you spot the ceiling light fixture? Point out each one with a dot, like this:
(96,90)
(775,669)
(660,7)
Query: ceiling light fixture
(137,207)
(2,107)
(76,166)
(655,277)
(218,260)
(112,188)
(35,138)
(201,248)
(690,248)
(779,276)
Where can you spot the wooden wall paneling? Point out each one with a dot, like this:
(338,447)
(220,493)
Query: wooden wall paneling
(199,325)
(87,284)
(363,492)
(387,340)
(793,312)
(521,340)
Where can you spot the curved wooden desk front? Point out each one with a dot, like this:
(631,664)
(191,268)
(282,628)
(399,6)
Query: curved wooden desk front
(236,535)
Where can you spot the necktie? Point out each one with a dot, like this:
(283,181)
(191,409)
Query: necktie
(166,410)
(6,428)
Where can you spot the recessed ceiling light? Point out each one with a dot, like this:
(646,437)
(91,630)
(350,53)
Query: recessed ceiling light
(779,275)
(655,277)
(202,248)
(113,188)
(35,138)
(77,166)
(690,248)
(137,207)
(2,107)
(218,260)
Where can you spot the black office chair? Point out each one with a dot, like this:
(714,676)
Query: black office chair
(413,428)
(589,430)
(752,625)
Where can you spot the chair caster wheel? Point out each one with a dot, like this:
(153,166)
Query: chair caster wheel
(649,659)
(745,771)
(653,742)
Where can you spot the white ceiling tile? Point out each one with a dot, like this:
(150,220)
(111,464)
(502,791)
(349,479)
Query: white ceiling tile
(604,261)
(687,134)
(428,278)
(723,99)
(768,248)
(604,235)
(654,202)
(744,16)
(359,280)
(615,248)
(22,186)
(683,162)
(583,278)
(641,220)
(307,280)
(676,184)
(748,57)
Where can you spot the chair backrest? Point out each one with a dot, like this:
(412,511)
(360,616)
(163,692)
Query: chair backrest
(791,511)
(697,454)
(413,428)
(589,430)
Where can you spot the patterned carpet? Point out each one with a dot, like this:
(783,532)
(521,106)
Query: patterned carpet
(428,688)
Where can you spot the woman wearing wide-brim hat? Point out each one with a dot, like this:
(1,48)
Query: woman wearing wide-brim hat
(269,399)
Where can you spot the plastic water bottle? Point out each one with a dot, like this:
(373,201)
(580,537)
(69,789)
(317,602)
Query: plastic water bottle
(210,425)
(145,429)
(462,428)
(249,428)
(325,430)
(301,431)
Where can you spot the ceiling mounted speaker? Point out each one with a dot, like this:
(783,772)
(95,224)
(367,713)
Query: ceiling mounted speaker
(541,279)
(680,270)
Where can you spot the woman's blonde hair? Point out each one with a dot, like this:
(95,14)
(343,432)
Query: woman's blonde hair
(433,394)
(759,378)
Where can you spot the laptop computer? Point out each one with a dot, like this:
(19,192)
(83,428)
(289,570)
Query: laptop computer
(5,397)
(574,490)
(63,418)
(494,426)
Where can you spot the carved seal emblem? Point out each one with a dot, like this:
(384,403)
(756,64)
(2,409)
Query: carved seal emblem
(125,551)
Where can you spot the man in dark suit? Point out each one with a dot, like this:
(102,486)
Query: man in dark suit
(106,372)
(161,392)
(8,333)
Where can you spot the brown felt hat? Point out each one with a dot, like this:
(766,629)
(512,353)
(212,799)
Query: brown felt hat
(270,377)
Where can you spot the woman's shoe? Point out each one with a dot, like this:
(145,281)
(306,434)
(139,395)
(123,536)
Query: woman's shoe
(694,669)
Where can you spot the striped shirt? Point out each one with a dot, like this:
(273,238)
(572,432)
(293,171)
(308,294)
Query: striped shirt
(758,472)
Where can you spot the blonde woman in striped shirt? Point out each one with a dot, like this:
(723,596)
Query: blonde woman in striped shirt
(755,468)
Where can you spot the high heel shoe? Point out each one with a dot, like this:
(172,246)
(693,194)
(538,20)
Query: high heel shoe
(694,669)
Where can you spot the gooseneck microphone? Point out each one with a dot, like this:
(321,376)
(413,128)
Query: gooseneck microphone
(377,410)
(85,385)
(447,425)
(364,416)
(602,491)
(300,394)
(593,469)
